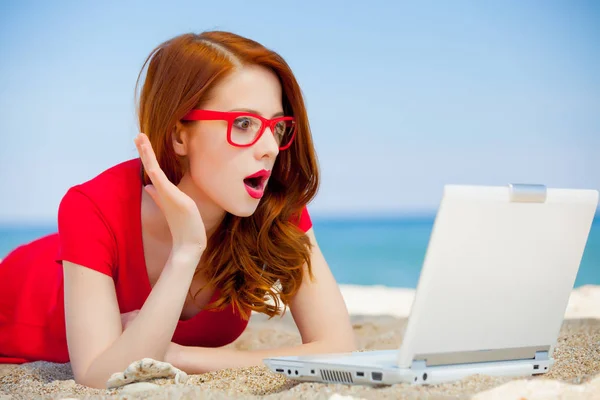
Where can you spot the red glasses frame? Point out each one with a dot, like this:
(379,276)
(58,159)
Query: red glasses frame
(230,116)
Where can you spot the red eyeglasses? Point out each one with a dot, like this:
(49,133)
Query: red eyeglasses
(244,128)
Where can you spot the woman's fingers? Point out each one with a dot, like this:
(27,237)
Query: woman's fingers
(151,190)
(164,193)
(180,210)
(155,173)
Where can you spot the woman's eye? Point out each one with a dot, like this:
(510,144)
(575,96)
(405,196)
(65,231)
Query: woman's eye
(243,123)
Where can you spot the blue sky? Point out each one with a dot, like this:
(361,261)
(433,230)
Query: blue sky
(403,97)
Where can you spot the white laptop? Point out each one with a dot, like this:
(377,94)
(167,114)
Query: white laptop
(495,283)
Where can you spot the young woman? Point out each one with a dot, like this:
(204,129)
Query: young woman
(166,255)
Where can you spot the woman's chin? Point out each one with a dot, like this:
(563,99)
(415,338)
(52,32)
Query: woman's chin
(244,208)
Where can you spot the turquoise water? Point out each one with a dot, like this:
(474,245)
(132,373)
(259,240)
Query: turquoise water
(365,252)
(391,251)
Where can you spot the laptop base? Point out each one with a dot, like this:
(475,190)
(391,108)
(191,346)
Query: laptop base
(375,368)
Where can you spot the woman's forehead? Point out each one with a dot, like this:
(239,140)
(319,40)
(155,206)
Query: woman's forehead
(251,87)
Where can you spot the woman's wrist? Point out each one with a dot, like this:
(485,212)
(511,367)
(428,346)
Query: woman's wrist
(186,254)
(172,354)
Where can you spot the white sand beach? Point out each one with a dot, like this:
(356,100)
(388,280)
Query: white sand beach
(378,317)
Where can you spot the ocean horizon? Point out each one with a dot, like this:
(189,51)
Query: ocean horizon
(374,250)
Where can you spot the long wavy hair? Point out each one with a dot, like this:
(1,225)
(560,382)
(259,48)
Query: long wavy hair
(257,262)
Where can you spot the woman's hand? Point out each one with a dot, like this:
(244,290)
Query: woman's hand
(172,349)
(181,212)
(172,354)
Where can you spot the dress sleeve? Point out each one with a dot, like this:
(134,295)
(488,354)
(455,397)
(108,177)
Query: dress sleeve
(304,222)
(85,238)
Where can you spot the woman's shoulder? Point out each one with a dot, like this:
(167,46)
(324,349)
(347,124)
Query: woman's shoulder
(117,180)
(113,191)
(116,183)
(303,221)
(96,218)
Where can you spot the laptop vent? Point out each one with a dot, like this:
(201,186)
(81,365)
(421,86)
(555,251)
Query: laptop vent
(331,375)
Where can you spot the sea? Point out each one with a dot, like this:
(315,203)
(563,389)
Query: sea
(385,251)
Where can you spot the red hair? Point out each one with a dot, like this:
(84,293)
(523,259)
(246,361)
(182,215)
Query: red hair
(246,257)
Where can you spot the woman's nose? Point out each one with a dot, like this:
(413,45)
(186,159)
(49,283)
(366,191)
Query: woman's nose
(267,145)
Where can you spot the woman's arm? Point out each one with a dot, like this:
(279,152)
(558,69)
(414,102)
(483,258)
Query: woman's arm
(319,309)
(320,315)
(98,346)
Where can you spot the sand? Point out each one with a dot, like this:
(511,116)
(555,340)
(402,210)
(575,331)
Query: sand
(576,373)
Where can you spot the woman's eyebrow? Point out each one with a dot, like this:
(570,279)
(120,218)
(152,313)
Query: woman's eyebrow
(279,114)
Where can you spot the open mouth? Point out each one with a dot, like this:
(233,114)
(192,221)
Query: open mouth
(255,183)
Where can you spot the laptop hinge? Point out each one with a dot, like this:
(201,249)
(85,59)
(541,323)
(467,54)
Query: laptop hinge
(418,364)
(527,193)
(476,356)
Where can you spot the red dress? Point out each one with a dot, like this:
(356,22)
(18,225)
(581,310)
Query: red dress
(99,227)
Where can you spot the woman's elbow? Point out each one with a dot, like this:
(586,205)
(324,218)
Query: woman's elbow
(90,383)
(84,378)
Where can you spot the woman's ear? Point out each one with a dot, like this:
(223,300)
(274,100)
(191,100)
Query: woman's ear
(180,139)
